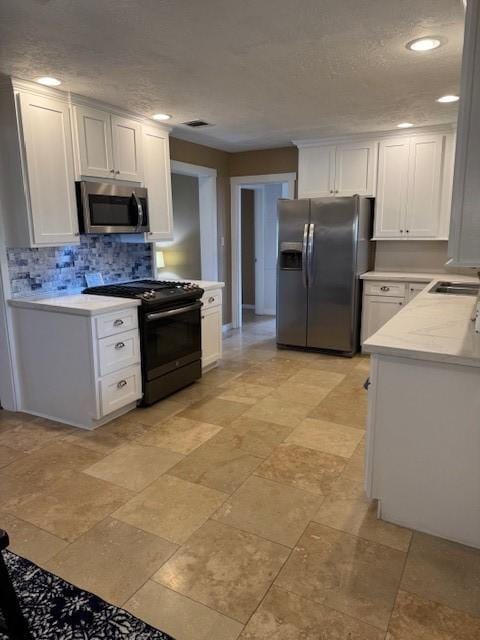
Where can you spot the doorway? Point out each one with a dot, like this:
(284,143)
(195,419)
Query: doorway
(254,244)
(193,253)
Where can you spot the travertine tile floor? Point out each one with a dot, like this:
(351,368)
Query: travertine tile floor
(235,509)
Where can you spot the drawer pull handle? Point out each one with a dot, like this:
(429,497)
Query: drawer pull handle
(121,384)
(118,322)
(119,345)
(384,288)
(211,299)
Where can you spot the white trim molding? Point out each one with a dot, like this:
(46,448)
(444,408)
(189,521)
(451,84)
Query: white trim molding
(236,184)
(375,135)
(207,200)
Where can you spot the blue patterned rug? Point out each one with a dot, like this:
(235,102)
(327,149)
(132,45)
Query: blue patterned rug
(56,610)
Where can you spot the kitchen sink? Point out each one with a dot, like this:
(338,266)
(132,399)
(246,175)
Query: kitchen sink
(456,288)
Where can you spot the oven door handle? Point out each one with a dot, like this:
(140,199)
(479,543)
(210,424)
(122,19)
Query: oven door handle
(150,317)
(139,208)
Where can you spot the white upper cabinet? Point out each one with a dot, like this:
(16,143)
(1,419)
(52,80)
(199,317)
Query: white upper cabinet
(94,139)
(108,146)
(410,188)
(127,149)
(156,158)
(425,172)
(40,185)
(464,240)
(337,170)
(392,188)
(316,172)
(355,167)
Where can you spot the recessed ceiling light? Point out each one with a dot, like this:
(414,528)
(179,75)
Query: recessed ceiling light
(404,125)
(161,116)
(49,81)
(424,44)
(448,99)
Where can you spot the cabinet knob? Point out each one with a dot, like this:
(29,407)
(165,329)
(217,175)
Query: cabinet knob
(112,170)
(119,345)
(331,190)
(407,231)
(401,230)
(117,171)
(336,191)
(118,322)
(384,288)
(211,299)
(121,384)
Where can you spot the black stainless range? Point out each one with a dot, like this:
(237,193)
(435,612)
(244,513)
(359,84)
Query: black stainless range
(170,333)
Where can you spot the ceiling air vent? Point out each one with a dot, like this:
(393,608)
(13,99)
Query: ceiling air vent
(197,123)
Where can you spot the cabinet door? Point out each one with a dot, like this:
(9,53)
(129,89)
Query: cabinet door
(48,161)
(127,149)
(424,183)
(316,172)
(377,310)
(94,142)
(464,238)
(392,188)
(156,166)
(211,336)
(414,288)
(355,169)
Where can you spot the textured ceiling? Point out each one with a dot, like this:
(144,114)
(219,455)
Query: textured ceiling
(263,71)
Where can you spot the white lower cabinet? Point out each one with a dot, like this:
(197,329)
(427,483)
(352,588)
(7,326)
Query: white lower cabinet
(384,299)
(80,369)
(211,328)
(377,310)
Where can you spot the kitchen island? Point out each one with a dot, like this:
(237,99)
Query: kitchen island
(423,431)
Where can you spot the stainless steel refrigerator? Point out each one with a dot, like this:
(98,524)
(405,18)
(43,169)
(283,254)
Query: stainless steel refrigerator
(323,247)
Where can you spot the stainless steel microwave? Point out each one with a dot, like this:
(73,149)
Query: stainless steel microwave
(111,208)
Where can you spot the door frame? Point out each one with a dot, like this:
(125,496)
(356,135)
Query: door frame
(236,185)
(207,205)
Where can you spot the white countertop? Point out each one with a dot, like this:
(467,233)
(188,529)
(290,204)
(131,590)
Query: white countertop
(433,326)
(77,304)
(410,276)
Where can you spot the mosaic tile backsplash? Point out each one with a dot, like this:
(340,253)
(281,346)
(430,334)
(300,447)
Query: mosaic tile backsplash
(60,270)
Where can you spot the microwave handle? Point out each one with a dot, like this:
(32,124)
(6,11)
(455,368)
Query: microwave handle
(138,204)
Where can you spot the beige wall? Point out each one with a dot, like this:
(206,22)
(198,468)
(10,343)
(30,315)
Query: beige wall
(265,161)
(248,246)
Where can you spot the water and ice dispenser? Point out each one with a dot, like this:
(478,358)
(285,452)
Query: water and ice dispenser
(291,256)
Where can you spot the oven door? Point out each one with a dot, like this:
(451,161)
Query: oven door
(171,339)
(110,208)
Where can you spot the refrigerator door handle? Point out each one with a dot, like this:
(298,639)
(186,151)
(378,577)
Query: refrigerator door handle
(311,232)
(305,255)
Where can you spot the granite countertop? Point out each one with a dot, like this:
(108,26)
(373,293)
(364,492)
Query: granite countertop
(77,304)
(411,276)
(433,326)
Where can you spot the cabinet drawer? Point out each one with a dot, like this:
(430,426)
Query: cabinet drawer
(110,324)
(212,298)
(118,352)
(119,389)
(392,289)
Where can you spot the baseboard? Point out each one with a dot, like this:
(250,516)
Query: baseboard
(269,312)
(248,306)
(227,327)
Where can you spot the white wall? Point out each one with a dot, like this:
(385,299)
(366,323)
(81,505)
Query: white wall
(271,194)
